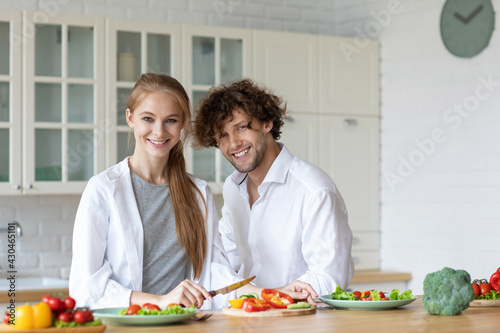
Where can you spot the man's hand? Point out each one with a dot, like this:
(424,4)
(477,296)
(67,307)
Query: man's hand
(300,291)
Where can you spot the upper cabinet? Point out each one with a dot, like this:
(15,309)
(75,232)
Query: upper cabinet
(212,56)
(288,63)
(134,48)
(349,82)
(52,67)
(10,102)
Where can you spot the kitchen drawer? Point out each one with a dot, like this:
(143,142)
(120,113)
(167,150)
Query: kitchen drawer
(366,259)
(365,240)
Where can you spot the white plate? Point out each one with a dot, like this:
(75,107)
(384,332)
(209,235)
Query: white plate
(365,305)
(111,316)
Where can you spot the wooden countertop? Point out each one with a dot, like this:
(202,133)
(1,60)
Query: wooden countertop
(367,276)
(33,295)
(410,318)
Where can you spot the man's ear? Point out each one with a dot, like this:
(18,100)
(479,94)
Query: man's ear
(268,126)
(130,118)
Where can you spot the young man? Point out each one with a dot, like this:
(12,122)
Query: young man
(283,219)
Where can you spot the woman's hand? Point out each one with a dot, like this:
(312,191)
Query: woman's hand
(300,290)
(186,293)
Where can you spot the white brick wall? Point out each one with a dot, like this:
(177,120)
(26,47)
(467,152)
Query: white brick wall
(446,213)
(47,221)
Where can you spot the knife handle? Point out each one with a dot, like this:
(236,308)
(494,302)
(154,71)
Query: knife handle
(213,293)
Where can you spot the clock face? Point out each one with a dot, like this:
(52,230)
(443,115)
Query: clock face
(467,26)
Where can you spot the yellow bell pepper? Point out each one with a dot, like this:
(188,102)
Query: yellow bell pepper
(42,315)
(236,303)
(24,317)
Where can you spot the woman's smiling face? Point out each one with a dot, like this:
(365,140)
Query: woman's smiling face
(157,123)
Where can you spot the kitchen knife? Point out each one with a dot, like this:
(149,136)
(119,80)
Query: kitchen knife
(231,287)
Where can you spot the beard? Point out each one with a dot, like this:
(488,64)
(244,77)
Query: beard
(259,151)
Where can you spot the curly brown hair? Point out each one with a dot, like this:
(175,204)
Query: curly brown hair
(257,101)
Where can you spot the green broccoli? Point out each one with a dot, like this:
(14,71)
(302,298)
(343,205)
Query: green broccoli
(447,292)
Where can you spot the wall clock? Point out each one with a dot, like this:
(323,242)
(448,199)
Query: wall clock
(466,26)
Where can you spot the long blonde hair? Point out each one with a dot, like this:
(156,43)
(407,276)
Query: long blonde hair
(189,217)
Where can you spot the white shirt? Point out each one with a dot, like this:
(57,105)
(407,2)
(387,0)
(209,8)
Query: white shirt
(296,230)
(108,244)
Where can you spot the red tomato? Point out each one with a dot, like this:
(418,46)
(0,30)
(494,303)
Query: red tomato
(357,294)
(132,310)
(476,289)
(276,299)
(171,305)
(79,317)
(55,304)
(69,303)
(150,306)
(6,318)
(64,317)
(88,315)
(484,287)
(381,294)
(366,298)
(46,299)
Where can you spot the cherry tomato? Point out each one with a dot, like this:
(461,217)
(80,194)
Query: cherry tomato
(150,306)
(55,304)
(484,287)
(88,315)
(357,294)
(381,294)
(132,310)
(476,289)
(79,317)
(64,317)
(6,318)
(46,299)
(69,303)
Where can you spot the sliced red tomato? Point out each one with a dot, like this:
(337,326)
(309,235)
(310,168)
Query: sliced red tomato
(255,305)
(150,306)
(276,299)
(357,294)
(381,294)
(132,310)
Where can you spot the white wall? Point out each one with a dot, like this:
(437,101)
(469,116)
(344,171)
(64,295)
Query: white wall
(47,221)
(440,200)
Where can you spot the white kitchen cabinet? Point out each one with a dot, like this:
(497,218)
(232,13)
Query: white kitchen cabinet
(134,48)
(53,66)
(212,56)
(349,83)
(10,102)
(350,155)
(300,135)
(288,64)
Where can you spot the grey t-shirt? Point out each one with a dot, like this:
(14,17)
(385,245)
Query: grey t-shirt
(165,262)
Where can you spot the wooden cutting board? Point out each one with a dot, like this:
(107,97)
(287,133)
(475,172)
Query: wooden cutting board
(484,302)
(268,313)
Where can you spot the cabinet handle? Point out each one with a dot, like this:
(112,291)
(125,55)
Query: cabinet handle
(290,119)
(18,187)
(350,122)
(30,186)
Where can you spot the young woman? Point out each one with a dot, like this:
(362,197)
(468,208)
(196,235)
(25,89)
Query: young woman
(145,230)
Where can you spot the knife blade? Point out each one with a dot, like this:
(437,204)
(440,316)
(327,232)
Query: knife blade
(231,287)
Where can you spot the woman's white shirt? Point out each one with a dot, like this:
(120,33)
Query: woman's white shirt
(108,244)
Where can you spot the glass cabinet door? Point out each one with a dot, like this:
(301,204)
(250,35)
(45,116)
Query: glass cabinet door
(64,86)
(217,56)
(10,103)
(135,48)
